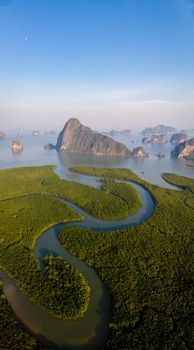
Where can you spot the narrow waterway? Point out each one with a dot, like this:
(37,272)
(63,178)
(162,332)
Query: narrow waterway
(91,331)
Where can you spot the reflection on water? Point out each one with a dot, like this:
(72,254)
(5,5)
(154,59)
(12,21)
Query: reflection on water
(150,169)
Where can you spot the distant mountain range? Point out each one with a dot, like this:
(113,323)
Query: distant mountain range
(155,139)
(159,129)
(114,133)
(178,138)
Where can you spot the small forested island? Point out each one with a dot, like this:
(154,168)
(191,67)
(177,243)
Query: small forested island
(147,268)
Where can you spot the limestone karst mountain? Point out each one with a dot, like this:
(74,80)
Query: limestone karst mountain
(139,152)
(178,138)
(184,149)
(77,138)
(159,129)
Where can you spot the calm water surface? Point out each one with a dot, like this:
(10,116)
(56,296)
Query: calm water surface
(34,154)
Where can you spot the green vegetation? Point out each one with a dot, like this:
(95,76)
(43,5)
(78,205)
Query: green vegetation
(28,206)
(181,181)
(24,216)
(120,174)
(11,334)
(59,289)
(190,202)
(124,191)
(114,174)
(71,290)
(148,269)
(23,181)
(23,219)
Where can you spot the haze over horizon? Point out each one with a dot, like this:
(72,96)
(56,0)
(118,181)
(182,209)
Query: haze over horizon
(112,64)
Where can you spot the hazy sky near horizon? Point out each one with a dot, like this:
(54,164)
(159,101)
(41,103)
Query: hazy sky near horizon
(110,63)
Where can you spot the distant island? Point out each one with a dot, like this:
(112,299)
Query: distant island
(16,146)
(178,138)
(2,135)
(114,133)
(187,131)
(19,136)
(159,129)
(139,152)
(155,139)
(35,133)
(80,139)
(49,146)
(51,132)
(160,155)
(184,150)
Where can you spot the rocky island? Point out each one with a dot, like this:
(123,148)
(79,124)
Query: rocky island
(184,149)
(159,129)
(2,135)
(158,139)
(19,136)
(16,146)
(178,138)
(115,133)
(160,155)
(155,139)
(139,152)
(49,146)
(145,140)
(77,138)
(35,133)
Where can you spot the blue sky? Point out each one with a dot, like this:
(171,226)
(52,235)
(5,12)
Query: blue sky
(111,63)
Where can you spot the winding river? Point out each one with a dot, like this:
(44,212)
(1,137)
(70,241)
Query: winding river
(91,331)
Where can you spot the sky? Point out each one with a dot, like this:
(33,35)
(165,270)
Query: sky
(110,63)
